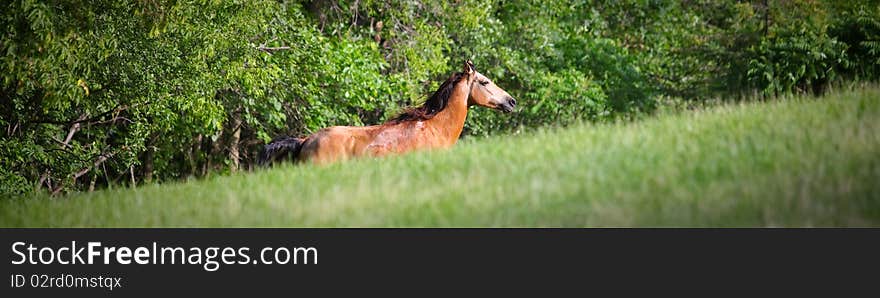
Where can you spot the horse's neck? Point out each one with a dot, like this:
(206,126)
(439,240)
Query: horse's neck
(449,122)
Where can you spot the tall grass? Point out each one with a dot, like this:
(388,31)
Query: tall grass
(791,162)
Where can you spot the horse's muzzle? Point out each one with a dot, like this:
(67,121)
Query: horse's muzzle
(508,105)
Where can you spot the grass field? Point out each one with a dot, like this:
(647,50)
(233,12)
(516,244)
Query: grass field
(792,162)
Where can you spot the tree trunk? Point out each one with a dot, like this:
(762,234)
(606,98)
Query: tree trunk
(215,151)
(192,155)
(133,180)
(234,140)
(92,183)
(766,17)
(149,155)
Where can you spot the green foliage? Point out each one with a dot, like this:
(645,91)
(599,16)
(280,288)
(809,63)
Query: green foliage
(103,93)
(858,26)
(797,52)
(354,91)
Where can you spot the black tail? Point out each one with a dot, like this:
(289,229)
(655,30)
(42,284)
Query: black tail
(280,148)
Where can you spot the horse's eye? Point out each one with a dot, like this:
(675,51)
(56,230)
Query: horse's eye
(484,83)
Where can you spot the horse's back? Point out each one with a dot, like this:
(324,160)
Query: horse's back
(336,143)
(344,142)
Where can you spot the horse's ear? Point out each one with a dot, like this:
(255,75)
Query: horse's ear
(469,67)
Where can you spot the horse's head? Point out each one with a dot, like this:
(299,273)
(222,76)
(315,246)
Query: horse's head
(485,93)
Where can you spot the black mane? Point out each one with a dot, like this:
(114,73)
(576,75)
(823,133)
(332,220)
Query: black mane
(435,104)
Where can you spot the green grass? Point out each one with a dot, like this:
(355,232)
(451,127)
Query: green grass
(791,162)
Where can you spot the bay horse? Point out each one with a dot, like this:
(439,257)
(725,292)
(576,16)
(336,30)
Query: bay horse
(435,124)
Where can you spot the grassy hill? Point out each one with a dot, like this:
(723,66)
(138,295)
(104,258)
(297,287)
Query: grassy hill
(792,162)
